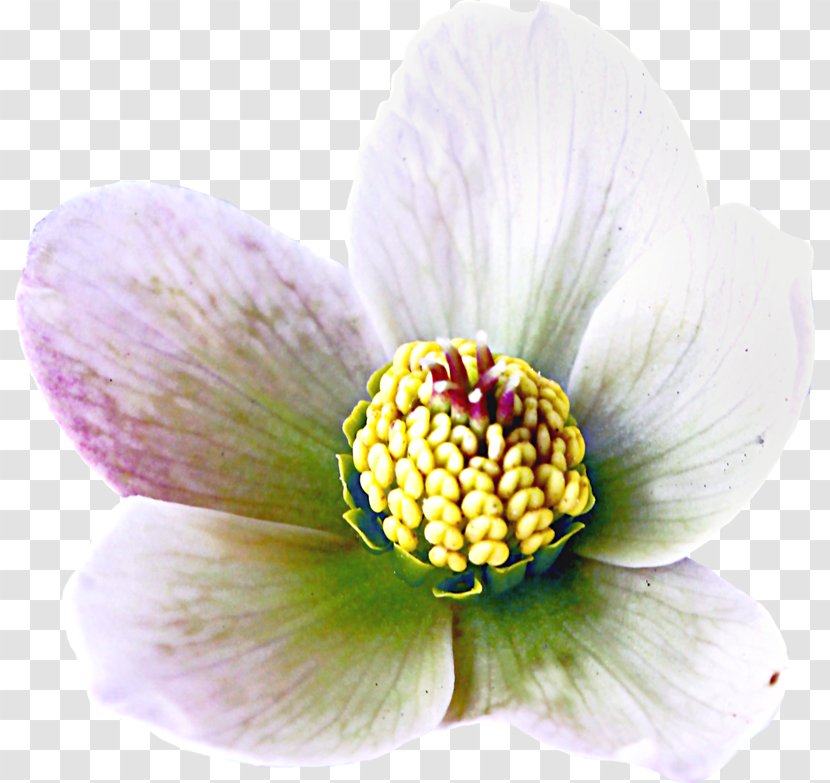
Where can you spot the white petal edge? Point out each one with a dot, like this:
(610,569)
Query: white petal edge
(522,162)
(192,353)
(691,377)
(669,668)
(269,643)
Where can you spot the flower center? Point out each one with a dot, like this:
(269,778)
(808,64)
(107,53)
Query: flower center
(465,463)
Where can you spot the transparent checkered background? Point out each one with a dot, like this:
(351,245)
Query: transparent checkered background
(264,104)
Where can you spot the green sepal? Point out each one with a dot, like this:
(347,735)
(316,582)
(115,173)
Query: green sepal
(546,556)
(353,493)
(373,384)
(350,479)
(570,421)
(465,587)
(409,568)
(500,579)
(368,529)
(355,421)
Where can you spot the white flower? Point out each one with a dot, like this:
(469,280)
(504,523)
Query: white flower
(526,178)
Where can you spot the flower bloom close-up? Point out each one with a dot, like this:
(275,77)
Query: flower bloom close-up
(460,477)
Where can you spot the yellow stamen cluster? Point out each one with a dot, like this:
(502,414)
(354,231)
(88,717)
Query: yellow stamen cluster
(460,489)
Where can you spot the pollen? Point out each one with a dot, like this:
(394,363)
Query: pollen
(469,459)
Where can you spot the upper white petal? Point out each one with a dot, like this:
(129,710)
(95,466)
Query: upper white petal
(691,377)
(522,162)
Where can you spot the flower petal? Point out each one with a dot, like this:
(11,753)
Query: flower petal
(193,354)
(691,377)
(670,668)
(276,644)
(521,163)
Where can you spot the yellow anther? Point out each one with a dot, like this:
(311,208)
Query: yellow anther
(493,553)
(442,482)
(397,439)
(530,415)
(453,539)
(420,351)
(471,479)
(407,539)
(532,544)
(519,435)
(480,552)
(574,446)
(413,484)
(439,508)
(495,442)
(552,481)
(476,503)
(400,359)
(490,527)
(377,497)
(389,384)
(407,393)
(515,479)
(533,521)
(576,494)
(448,455)
(404,508)
(486,465)
(552,416)
(368,435)
(465,439)
(527,499)
(434,532)
(456,562)
(390,528)
(441,534)
(381,464)
(527,388)
(440,428)
(360,454)
(438,556)
(519,454)
(554,392)
(544,447)
(417,423)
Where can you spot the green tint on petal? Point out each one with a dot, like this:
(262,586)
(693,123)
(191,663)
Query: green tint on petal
(690,378)
(272,643)
(194,355)
(670,668)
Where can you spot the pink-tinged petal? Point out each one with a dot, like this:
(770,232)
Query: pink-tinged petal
(691,377)
(193,354)
(670,668)
(272,643)
(521,164)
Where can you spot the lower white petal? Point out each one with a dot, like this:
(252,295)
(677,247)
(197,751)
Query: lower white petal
(689,380)
(276,644)
(670,668)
